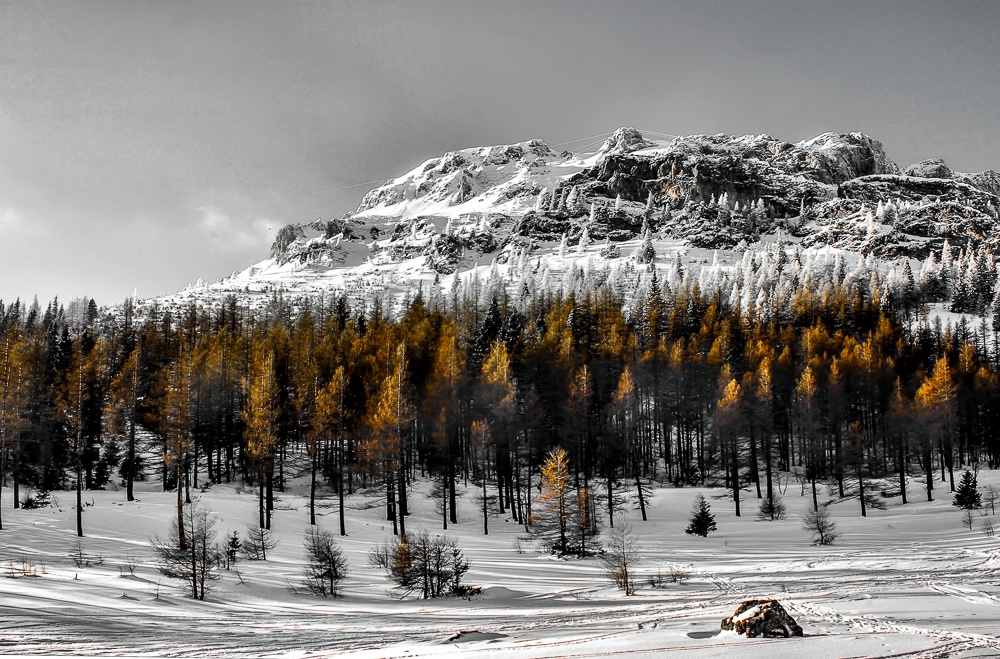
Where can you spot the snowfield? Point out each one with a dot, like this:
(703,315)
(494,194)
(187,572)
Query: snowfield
(911,581)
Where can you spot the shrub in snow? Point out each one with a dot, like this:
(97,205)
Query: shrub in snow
(992,494)
(83,559)
(610,251)
(968,519)
(258,542)
(39,499)
(620,556)
(196,559)
(771,509)
(325,566)
(433,566)
(822,527)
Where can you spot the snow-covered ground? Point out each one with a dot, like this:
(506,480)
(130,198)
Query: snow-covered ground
(911,581)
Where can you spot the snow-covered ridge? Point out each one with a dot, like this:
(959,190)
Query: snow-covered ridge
(505,205)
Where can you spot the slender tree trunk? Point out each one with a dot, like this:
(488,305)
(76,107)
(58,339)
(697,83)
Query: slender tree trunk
(17,472)
(402,503)
(340,490)
(815,499)
(902,467)
(768,471)
(269,506)
(260,499)
(861,489)
(2,466)
(452,504)
(642,498)
(130,476)
(312,483)
(486,523)
(734,459)
(611,501)
(929,473)
(754,470)
(444,502)
(181,536)
(79,496)
(390,502)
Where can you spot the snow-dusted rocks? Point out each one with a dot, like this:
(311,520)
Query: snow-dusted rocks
(931,168)
(625,140)
(765,618)
(526,208)
(833,158)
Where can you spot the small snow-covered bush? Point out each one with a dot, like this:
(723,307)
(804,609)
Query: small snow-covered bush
(823,528)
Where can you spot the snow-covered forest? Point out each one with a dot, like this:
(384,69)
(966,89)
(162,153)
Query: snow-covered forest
(335,448)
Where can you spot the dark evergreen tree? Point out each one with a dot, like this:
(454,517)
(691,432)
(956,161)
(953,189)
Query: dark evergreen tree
(967,496)
(702,520)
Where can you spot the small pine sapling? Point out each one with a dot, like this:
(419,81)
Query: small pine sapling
(232,549)
(702,520)
(967,496)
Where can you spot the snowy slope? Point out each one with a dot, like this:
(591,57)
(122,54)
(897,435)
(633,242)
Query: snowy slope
(909,581)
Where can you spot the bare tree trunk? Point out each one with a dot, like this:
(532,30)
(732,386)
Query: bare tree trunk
(642,498)
(260,499)
(181,537)
(130,476)
(340,487)
(401,508)
(312,483)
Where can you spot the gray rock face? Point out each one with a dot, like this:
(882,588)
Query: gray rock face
(747,168)
(714,191)
(765,618)
(872,189)
(932,168)
(834,158)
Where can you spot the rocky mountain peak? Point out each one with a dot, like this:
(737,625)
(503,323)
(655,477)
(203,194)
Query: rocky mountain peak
(625,140)
(509,203)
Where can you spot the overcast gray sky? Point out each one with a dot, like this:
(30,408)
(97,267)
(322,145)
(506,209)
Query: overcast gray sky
(144,145)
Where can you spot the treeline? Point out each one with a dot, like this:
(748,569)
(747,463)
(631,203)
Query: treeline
(679,384)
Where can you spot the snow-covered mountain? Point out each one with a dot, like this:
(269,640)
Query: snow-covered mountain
(503,207)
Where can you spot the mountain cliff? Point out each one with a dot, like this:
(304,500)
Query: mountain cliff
(508,203)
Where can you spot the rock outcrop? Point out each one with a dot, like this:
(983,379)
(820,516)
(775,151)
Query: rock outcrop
(931,168)
(765,618)
(625,140)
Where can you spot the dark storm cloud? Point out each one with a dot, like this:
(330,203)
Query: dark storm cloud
(151,144)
